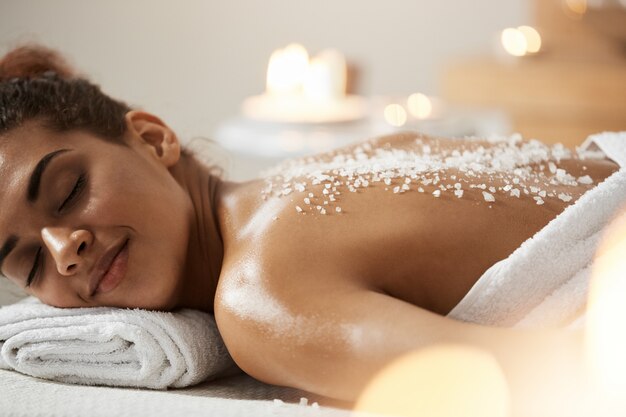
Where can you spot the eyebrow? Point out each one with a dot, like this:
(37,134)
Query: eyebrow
(32,194)
(35,176)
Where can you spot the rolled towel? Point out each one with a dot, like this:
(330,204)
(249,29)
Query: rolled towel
(545,281)
(112,346)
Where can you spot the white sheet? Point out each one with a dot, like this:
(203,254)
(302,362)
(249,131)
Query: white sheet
(237,396)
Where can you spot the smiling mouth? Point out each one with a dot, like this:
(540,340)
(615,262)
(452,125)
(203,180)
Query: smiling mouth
(115,272)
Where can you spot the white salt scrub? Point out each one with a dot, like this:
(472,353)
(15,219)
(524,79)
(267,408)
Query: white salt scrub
(506,168)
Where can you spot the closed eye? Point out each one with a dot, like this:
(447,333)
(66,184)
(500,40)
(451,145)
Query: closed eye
(36,266)
(78,187)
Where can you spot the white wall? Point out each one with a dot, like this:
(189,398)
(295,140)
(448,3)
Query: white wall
(193,61)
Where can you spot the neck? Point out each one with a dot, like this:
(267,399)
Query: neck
(205,250)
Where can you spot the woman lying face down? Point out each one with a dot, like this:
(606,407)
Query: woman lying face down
(317,275)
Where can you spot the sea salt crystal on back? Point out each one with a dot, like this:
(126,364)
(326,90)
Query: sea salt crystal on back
(338,209)
(307,200)
(564,197)
(539,200)
(552,167)
(488,197)
(458,193)
(437,193)
(515,192)
(585,180)
(299,209)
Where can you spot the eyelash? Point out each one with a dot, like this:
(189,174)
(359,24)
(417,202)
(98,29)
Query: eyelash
(78,187)
(36,267)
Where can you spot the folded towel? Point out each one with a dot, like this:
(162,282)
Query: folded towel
(112,346)
(544,282)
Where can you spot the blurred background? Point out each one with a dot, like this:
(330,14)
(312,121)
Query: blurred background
(271,79)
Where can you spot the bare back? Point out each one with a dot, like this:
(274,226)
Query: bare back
(328,275)
(422,243)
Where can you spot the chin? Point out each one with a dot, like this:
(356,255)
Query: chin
(161,299)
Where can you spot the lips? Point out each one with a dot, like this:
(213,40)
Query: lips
(110,269)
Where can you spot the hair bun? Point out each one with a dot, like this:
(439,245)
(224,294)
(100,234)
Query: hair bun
(32,61)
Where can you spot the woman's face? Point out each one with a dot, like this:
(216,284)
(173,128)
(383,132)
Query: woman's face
(95,206)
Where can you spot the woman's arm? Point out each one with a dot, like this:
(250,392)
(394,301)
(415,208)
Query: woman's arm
(334,341)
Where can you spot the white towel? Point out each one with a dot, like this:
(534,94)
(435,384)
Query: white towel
(112,346)
(544,282)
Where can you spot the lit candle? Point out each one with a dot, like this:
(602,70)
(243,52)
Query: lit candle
(287,69)
(326,76)
(301,91)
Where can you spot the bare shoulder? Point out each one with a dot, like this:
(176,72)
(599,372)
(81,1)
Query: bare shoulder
(272,311)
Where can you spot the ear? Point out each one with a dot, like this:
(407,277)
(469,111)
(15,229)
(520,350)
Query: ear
(158,139)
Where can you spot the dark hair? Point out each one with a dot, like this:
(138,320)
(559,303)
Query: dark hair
(36,83)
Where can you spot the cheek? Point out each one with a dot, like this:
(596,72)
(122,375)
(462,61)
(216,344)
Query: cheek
(158,214)
(57,294)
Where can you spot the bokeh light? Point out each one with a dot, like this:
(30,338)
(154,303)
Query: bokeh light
(439,381)
(514,42)
(395,115)
(533,39)
(574,9)
(606,314)
(419,106)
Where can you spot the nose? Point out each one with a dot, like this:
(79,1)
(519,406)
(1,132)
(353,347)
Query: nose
(67,247)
